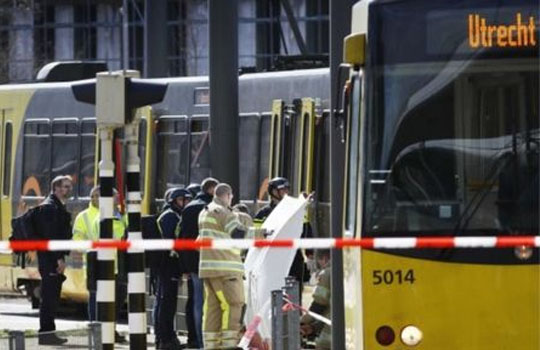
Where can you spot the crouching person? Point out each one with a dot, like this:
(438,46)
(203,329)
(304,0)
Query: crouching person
(320,305)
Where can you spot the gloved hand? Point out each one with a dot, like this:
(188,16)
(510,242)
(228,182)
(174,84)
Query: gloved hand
(265,232)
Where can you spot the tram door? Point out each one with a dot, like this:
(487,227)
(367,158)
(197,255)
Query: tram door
(6,149)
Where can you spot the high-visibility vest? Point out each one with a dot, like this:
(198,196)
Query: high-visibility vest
(84,223)
(176,229)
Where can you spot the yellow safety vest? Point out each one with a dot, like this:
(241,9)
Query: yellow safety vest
(83,223)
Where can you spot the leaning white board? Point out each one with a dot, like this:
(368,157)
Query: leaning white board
(267,268)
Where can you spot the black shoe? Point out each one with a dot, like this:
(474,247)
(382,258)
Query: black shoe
(118,338)
(51,339)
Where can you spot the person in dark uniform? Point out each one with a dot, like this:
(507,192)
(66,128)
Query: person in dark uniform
(192,341)
(190,258)
(52,221)
(278,188)
(169,272)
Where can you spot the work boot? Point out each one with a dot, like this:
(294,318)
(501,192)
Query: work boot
(51,339)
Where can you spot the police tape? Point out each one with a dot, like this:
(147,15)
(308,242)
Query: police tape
(306,243)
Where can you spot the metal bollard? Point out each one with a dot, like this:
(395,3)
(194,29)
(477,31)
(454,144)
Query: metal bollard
(94,336)
(277,320)
(16,340)
(292,289)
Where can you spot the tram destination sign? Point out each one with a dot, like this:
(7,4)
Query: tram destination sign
(438,30)
(480,29)
(520,33)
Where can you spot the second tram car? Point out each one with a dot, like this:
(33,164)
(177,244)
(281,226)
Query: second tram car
(46,132)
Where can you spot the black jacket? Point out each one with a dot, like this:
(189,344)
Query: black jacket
(52,221)
(264,212)
(168,222)
(189,229)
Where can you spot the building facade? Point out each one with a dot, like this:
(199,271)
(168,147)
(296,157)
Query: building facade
(36,32)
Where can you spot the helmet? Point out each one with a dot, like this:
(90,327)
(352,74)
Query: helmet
(179,192)
(194,189)
(277,183)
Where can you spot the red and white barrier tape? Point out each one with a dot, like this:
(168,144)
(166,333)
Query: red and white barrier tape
(313,243)
(290,305)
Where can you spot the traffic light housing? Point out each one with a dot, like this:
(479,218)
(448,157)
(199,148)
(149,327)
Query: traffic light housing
(117,96)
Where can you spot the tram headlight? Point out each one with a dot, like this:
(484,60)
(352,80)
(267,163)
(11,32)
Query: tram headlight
(523,252)
(411,335)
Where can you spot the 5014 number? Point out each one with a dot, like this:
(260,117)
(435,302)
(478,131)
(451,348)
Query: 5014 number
(391,277)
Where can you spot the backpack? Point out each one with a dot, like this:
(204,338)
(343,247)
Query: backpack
(23,229)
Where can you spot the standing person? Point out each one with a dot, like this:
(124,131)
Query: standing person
(278,188)
(169,272)
(52,221)
(222,272)
(194,189)
(190,259)
(156,263)
(320,305)
(120,225)
(82,227)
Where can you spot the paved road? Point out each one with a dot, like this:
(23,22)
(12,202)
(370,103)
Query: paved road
(17,314)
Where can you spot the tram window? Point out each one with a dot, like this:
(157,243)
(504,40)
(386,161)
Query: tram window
(247,150)
(264,149)
(172,153)
(142,151)
(200,150)
(354,159)
(321,179)
(65,150)
(7,158)
(306,146)
(275,166)
(87,159)
(36,159)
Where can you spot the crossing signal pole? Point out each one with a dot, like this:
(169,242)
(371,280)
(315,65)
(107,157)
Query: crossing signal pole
(117,95)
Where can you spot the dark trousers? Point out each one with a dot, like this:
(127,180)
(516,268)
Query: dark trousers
(167,294)
(51,284)
(190,322)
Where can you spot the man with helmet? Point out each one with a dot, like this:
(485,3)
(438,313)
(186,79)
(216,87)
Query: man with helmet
(169,272)
(194,189)
(278,188)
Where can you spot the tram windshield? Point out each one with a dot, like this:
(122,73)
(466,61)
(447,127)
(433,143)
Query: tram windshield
(452,127)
